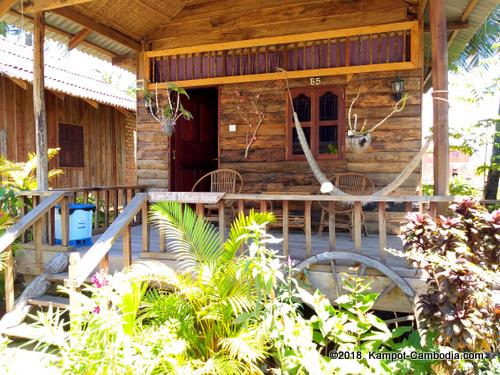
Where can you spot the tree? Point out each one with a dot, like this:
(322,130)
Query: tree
(481,52)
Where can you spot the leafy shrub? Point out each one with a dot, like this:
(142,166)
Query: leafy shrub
(461,257)
(458,187)
(224,314)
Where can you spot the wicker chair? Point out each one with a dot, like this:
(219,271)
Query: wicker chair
(353,184)
(221,181)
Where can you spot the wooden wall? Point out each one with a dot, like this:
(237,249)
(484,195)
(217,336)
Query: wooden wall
(394,144)
(108,135)
(208,21)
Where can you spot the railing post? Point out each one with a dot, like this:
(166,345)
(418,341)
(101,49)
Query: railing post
(331,225)
(64,221)
(106,208)
(96,212)
(200,210)
(9,280)
(382,231)
(127,247)
(357,224)
(73,263)
(285,229)
(307,225)
(124,198)
(263,206)
(104,263)
(115,203)
(38,241)
(146,244)
(222,224)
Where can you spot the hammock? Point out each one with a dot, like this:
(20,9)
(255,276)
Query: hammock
(328,187)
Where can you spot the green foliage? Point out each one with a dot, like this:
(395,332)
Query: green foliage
(225,313)
(461,256)
(458,187)
(22,175)
(3,28)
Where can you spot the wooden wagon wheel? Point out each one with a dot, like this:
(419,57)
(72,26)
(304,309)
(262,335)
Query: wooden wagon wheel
(363,262)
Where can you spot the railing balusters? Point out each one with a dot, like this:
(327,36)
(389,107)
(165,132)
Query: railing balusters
(96,212)
(357,224)
(307,225)
(222,224)
(106,208)
(285,228)
(115,204)
(127,246)
(382,231)
(65,222)
(9,279)
(146,244)
(331,226)
(38,240)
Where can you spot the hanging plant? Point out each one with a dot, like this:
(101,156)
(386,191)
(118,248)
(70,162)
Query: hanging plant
(172,109)
(359,140)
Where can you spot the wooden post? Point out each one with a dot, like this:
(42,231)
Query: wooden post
(9,280)
(127,247)
(439,42)
(382,231)
(106,208)
(331,225)
(200,210)
(357,224)
(96,212)
(285,228)
(222,224)
(73,262)
(38,240)
(65,222)
(307,224)
(146,244)
(40,116)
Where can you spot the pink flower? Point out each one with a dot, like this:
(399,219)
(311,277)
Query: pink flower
(96,310)
(100,279)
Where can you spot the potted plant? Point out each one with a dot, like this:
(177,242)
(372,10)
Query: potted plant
(359,140)
(167,114)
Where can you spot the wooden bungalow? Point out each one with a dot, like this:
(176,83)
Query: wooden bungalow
(91,122)
(227,55)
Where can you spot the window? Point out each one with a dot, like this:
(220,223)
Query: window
(70,138)
(321,114)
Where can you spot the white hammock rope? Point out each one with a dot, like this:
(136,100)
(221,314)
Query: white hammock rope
(326,186)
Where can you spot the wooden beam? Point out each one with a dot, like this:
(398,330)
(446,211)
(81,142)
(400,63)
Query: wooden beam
(451,26)
(284,39)
(91,102)
(55,30)
(19,82)
(59,95)
(78,38)
(99,28)
(439,43)
(41,5)
(40,115)
(5,5)
(422,7)
(291,75)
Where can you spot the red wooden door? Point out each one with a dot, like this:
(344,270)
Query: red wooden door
(194,144)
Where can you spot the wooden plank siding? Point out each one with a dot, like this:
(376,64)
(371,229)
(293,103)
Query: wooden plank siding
(394,144)
(108,135)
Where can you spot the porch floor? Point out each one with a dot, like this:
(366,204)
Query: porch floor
(369,247)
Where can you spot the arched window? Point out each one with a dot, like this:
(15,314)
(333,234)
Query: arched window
(321,114)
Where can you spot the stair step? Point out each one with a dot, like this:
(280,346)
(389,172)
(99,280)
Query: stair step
(28,331)
(47,301)
(61,277)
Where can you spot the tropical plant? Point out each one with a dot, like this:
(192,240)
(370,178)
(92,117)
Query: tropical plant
(167,114)
(457,187)
(461,256)
(22,175)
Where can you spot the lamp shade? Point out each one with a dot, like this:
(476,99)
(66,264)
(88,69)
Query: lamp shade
(398,88)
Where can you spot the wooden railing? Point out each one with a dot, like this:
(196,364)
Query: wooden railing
(394,46)
(35,218)
(98,255)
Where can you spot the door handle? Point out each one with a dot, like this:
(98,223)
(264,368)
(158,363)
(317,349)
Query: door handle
(173,154)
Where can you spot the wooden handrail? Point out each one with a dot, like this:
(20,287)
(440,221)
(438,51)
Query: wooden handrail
(100,249)
(29,219)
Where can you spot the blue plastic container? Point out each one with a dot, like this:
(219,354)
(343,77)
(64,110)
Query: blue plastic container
(80,224)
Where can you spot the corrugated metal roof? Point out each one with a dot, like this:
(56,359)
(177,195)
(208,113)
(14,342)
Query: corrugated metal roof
(16,61)
(454,9)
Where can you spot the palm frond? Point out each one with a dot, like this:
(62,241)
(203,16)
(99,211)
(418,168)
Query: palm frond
(193,239)
(247,346)
(483,45)
(240,230)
